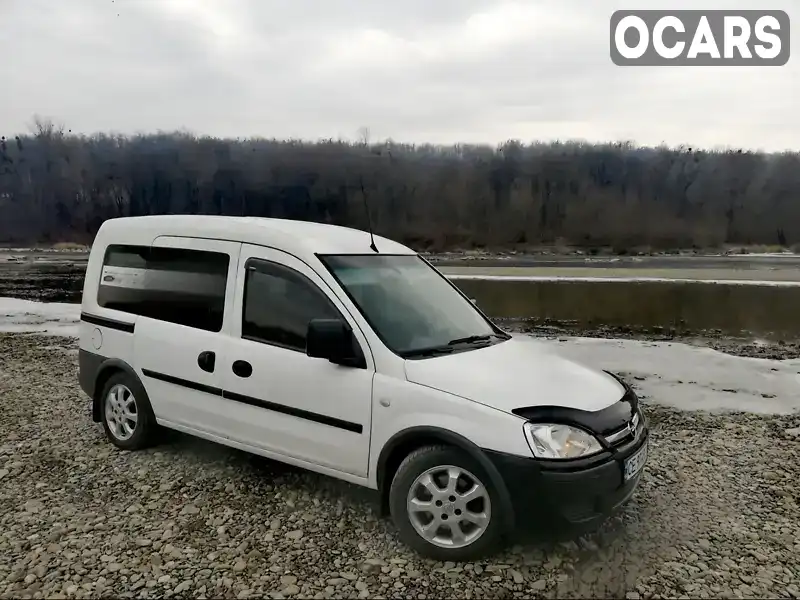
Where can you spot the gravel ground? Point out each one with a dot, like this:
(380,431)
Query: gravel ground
(716,514)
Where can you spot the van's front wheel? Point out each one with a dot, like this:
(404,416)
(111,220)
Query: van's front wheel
(442,504)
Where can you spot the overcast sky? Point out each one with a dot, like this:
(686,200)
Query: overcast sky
(411,70)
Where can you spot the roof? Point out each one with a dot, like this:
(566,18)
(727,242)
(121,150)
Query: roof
(295,237)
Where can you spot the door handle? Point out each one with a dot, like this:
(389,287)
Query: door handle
(242,368)
(207,361)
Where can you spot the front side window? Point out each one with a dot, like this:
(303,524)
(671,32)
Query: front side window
(413,309)
(176,285)
(278,305)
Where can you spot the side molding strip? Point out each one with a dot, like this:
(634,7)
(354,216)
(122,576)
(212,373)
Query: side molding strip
(258,403)
(294,412)
(110,323)
(192,385)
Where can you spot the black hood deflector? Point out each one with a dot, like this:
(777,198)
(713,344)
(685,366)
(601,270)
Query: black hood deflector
(602,422)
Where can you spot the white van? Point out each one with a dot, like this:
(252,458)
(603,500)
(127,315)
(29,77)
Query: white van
(299,342)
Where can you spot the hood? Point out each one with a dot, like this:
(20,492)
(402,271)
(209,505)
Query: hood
(520,372)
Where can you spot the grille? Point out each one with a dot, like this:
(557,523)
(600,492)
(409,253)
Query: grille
(625,434)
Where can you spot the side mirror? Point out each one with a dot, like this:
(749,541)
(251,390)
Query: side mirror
(333,340)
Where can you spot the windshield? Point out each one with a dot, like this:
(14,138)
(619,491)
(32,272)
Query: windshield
(414,310)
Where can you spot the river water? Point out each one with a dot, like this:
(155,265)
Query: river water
(730,309)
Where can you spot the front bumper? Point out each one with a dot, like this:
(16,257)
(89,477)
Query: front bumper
(581,492)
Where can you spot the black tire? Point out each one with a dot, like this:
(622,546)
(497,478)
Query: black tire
(144,432)
(413,466)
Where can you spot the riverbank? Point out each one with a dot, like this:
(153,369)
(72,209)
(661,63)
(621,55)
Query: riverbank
(682,297)
(690,373)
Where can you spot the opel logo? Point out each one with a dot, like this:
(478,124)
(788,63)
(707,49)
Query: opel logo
(634,422)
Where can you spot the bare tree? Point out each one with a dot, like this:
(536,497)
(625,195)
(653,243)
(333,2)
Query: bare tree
(45,127)
(61,187)
(363,136)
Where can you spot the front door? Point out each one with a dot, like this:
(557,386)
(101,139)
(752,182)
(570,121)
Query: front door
(286,402)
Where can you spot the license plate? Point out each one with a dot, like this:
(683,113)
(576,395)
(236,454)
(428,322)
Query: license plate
(635,463)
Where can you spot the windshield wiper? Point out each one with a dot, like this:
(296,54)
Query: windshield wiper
(450,346)
(470,339)
(430,351)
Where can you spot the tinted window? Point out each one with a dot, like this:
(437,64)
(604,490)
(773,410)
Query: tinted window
(279,303)
(186,287)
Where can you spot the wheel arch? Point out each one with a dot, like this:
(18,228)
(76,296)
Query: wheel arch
(404,442)
(105,372)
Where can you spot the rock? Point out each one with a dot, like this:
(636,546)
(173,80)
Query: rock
(16,576)
(290,590)
(239,566)
(538,585)
(294,535)
(34,506)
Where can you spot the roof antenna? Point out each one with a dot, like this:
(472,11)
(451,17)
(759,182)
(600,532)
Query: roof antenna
(372,245)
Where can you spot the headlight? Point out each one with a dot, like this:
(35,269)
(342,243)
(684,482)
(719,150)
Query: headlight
(548,440)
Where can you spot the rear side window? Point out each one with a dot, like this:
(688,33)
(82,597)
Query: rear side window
(186,287)
(278,304)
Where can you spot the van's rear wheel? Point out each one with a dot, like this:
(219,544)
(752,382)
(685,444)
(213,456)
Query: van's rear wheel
(127,417)
(441,502)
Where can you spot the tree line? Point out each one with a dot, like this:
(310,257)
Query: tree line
(57,187)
